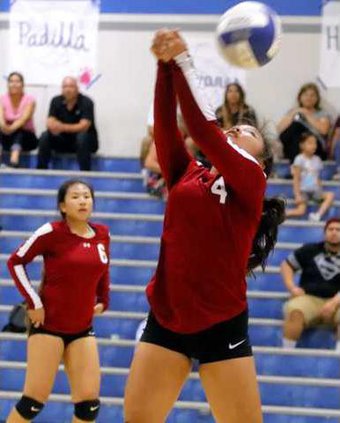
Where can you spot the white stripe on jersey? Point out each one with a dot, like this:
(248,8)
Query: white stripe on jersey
(184,61)
(21,275)
(43,230)
(240,150)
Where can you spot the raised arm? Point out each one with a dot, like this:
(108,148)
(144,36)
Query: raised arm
(171,152)
(241,171)
(36,245)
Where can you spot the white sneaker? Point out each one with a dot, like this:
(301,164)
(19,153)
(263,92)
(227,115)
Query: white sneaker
(314,217)
(336,177)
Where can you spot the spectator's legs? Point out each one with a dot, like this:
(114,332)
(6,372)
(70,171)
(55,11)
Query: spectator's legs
(83,150)
(337,159)
(15,155)
(45,149)
(299,210)
(337,326)
(16,148)
(300,312)
(292,328)
(328,198)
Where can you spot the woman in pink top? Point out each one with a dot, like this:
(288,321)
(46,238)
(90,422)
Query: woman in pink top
(16,119)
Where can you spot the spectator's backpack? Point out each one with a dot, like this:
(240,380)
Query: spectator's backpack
(17,321)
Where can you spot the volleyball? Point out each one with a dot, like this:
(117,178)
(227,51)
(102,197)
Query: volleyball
(248,34)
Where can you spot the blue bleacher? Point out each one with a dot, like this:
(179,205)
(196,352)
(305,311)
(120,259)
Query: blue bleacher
(27,200)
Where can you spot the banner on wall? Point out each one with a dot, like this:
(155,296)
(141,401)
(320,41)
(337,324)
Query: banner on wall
(214,72)
(330,44)
(51,39)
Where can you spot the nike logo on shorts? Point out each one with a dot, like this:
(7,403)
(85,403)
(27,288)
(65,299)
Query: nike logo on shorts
(35,409)
(94,408)
(233,346)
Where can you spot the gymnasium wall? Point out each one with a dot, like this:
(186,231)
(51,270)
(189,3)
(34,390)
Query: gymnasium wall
(123,94)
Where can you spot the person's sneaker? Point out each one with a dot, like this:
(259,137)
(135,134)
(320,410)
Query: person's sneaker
(336,177)
(3,166)
(314,217)
(13,165)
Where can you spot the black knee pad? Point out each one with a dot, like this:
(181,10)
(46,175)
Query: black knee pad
(29,408)
(87,410)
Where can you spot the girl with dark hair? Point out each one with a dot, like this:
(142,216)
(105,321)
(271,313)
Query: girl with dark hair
(235,110)
(307,116)
(306,170)
(17,131)
(75,287)
(217,228)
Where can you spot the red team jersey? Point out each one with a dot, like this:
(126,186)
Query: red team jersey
(210,220)
(75,276)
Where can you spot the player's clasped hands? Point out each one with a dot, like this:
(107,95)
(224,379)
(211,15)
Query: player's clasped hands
(167,44)
(37,316)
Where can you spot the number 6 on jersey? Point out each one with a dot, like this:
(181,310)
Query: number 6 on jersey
(218,188)
(102,253)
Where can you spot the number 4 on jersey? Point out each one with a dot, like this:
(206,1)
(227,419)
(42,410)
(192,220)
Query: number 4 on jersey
(218,188)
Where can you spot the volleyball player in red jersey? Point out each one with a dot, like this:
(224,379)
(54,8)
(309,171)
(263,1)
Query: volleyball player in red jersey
(75,287)
(217,228)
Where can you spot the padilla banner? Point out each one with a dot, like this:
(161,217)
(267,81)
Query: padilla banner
(50,39)
(330,44)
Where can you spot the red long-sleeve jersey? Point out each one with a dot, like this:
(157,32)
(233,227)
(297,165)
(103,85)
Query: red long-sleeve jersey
(210,220)
(75,276)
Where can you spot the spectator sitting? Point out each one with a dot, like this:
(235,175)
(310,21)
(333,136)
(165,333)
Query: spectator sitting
(306,180)
(153,180)
(235,110)
(70,127)
(190,144)
(335,148)
(307,116)
(16,120)
(316,300)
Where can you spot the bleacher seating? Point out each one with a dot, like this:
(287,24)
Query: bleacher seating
(297,386)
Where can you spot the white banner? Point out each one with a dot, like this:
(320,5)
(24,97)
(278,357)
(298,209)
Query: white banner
(214,72)
(50,39)
(330,44)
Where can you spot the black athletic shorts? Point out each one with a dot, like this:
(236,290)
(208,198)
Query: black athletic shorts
(67,338)
(223,341)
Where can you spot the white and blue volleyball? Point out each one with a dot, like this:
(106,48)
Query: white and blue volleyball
(248,34)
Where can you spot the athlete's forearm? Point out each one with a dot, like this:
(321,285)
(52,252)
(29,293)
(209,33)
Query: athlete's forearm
(171,152)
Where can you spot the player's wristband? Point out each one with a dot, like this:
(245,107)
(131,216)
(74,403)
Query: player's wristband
(184,60)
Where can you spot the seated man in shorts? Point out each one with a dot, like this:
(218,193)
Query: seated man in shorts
(317,299)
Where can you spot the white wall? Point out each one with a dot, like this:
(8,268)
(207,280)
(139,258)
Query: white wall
(124,92)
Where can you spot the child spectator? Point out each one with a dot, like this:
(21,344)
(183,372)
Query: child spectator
(306,170)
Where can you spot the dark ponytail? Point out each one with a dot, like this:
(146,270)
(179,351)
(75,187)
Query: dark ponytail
(273,214)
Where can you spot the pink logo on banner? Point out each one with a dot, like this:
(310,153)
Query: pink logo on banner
(87,78)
